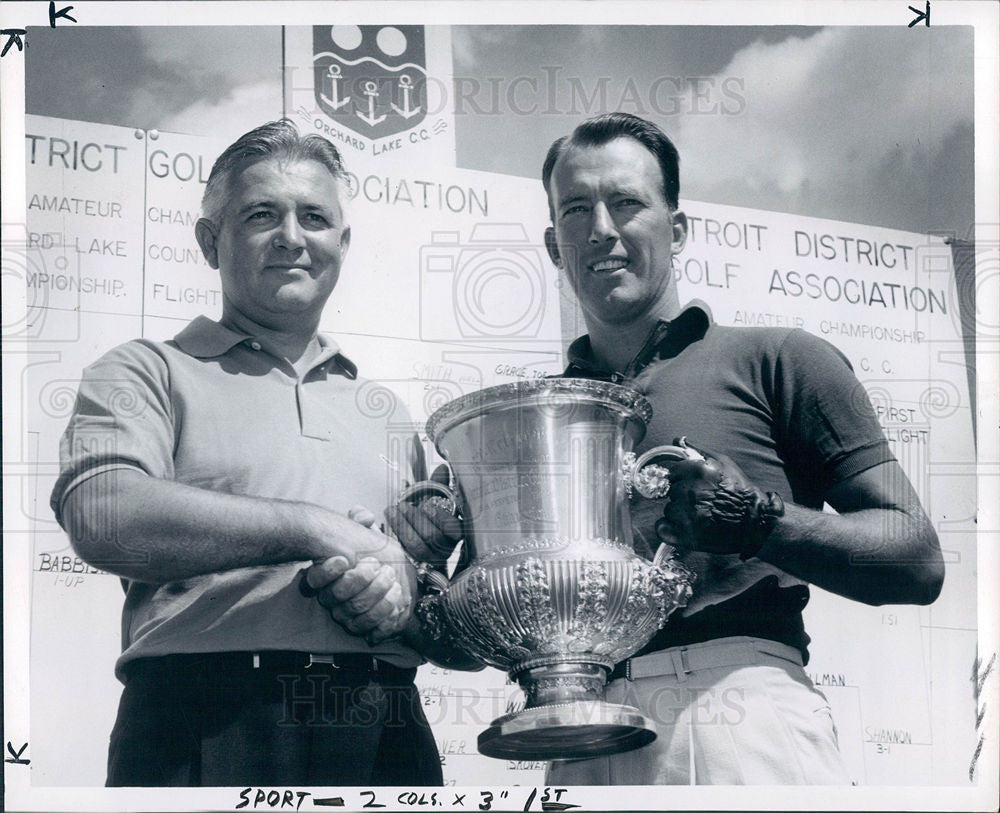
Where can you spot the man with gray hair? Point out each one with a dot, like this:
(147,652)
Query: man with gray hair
(267,632)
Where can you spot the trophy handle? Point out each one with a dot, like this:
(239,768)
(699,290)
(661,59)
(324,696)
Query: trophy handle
(652,480)
(417,494)
(649,478)
(431,489)
(430,577)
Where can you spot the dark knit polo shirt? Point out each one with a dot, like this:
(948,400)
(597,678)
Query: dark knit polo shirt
(787,408)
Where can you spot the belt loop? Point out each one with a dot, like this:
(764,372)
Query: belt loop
(256,660)
(679,667)
(684,660)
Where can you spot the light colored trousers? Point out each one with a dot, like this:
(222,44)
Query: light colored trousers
(734,711)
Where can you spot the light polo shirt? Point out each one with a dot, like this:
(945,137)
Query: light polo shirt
(216,409)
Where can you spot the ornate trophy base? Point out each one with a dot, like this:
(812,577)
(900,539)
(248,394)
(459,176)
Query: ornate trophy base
(586,728)
(566,716)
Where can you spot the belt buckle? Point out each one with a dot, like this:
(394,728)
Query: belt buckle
(329,660)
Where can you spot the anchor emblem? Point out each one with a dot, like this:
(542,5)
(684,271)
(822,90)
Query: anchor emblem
(371,79)
(371,91)
(406,86)
(336,102)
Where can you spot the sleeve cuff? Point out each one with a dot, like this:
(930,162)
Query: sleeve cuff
(859,460)
(86,475)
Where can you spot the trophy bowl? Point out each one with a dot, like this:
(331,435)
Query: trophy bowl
(553,593)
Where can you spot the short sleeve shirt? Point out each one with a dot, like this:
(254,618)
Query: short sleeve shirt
(216,409)
(787,408)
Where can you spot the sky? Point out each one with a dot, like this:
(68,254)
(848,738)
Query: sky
(865,125)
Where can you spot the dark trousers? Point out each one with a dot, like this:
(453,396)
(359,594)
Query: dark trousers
(214,720)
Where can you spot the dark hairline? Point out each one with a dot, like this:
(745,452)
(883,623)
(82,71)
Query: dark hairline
(600,130)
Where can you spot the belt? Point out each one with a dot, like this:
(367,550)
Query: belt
(276,661)
(682,660)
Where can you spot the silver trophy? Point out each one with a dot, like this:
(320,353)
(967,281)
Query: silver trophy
(553,592)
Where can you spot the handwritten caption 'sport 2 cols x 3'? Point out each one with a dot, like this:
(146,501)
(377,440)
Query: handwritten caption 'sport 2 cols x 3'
(549,799)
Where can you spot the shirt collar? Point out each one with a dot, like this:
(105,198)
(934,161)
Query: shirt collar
(205,338)
(666,339)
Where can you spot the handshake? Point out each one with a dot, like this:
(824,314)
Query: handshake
(711,506)
(372,593)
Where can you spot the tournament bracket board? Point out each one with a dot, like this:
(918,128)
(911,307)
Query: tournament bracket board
(897,677)
(435,301)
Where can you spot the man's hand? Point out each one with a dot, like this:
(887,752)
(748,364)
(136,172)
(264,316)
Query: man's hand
(427,528)
(375,595)
(712,507)
(370,599)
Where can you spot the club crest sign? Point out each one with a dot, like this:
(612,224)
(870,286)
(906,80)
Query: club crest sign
(371,79)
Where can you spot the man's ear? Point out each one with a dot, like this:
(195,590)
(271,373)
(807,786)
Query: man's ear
(680,231)
(345,241)
(206,234)
(552,247)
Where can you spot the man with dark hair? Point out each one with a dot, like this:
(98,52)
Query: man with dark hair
(786,427)
(602,129)
(242,458)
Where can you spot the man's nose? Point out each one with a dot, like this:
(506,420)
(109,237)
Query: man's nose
(602,225)
(289,234)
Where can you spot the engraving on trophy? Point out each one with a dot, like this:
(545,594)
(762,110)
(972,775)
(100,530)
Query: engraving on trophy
(505,443)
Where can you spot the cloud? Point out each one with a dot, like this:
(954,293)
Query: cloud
(832,123)
(227,118)
(469,42)
(215,57)
(231,91)
(149,77)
